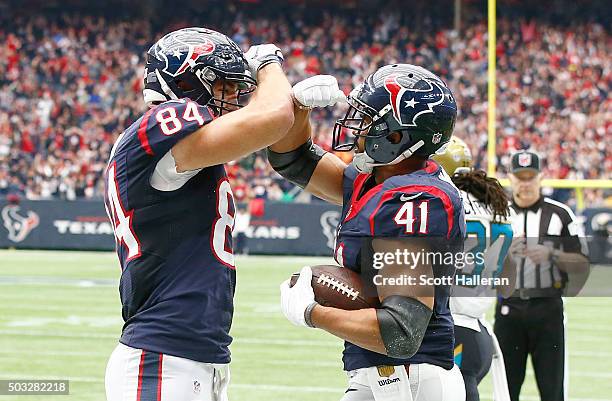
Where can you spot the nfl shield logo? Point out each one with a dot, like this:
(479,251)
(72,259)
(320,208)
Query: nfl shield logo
(436,138)
(524,159)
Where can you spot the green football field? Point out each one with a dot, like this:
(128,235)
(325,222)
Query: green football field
(60,319)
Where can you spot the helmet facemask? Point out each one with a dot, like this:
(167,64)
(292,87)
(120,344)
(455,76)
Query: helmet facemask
(377,129)
(205,80)
(357,122)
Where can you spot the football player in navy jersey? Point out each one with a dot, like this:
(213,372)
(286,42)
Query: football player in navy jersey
(172,210)
(400,116)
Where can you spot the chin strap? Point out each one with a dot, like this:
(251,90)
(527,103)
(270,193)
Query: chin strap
(364,164)
(165,86)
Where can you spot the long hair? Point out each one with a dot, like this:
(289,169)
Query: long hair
(486,189)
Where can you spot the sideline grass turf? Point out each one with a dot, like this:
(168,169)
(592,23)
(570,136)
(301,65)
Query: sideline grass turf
(60,317)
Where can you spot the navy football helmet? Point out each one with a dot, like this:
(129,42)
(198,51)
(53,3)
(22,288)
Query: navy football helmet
(400,98)
(188,62)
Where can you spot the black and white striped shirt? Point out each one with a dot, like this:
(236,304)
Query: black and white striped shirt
(546,222)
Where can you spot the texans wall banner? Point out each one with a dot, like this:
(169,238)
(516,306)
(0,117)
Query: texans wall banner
(282,229)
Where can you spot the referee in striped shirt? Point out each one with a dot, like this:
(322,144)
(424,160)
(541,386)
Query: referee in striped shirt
(531,322)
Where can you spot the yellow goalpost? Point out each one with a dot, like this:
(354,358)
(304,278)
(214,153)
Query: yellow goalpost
(577,185)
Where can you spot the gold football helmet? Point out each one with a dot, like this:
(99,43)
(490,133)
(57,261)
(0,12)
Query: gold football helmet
(456,157)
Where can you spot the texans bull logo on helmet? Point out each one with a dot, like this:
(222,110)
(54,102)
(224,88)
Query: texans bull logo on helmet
(414,101)
(184,53)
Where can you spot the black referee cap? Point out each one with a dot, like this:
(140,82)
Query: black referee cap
(525,160)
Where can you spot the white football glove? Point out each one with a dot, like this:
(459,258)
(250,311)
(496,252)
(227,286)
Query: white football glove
(318,91)
(259,56)
(297,299)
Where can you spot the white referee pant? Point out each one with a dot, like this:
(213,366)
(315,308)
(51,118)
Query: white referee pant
(137,375)
(425,382)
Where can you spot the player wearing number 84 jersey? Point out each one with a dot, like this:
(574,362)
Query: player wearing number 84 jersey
(172,209)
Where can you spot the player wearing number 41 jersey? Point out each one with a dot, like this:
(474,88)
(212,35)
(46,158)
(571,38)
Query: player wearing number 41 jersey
(397,118)
(172,209)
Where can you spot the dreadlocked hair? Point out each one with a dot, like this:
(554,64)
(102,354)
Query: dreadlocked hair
(486,189)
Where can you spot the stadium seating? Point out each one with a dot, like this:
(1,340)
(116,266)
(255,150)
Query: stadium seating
(70,84)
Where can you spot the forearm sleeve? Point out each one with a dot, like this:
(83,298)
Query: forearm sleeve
(297,165)
(402,321)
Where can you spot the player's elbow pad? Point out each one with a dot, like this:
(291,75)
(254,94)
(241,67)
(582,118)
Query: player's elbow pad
(402,321)
(297,165)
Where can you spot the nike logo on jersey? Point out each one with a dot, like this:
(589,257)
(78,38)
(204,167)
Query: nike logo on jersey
(406,197)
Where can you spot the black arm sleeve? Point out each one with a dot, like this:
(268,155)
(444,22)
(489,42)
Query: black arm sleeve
(297,165)
(402,321)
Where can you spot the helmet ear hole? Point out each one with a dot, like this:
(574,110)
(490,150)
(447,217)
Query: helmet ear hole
(395,137)
(184,85)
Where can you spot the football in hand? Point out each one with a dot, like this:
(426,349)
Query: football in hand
(338,287)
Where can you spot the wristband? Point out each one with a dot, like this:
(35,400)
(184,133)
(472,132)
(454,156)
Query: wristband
(299,105)
(308,314)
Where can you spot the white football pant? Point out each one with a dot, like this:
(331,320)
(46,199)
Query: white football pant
(424,383)
(137,375)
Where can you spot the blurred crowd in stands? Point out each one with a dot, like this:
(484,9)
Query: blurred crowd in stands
(69,85)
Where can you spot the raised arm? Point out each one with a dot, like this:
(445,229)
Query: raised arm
(296,158)
(265,120)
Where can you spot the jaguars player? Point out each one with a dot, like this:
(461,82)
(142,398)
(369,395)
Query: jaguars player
(172,210)
(400,116)
(488,215)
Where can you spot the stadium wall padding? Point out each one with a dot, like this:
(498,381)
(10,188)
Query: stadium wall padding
(282,228)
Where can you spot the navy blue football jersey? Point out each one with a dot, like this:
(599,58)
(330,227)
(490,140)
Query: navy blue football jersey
(175,247)
(424,203)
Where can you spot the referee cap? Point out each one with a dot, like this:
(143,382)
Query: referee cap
(525,160)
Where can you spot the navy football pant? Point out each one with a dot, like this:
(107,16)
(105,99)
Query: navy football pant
(473,355)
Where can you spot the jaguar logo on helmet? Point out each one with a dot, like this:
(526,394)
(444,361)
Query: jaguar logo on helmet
(179,54)
(409,104)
